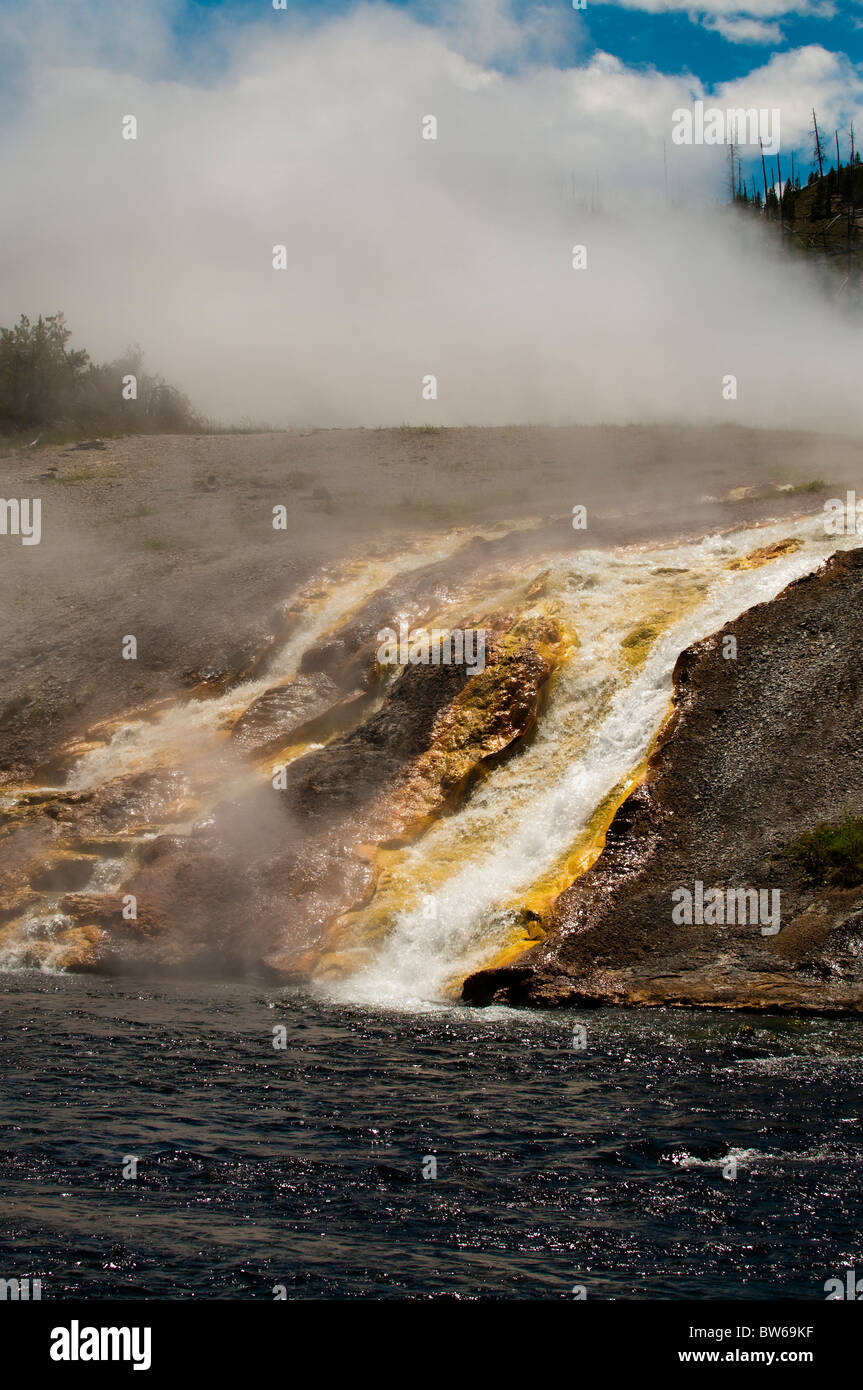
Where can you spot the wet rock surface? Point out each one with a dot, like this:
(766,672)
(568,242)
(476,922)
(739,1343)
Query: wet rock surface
(758,751)
(273,830)
(285,714)
(256,883)
(178,531)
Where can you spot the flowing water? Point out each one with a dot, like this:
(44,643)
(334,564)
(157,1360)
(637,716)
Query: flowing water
(453,901)
(304,1167)
(675,1155)
(603,715)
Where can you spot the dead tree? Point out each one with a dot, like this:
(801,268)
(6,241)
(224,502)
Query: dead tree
(818,148)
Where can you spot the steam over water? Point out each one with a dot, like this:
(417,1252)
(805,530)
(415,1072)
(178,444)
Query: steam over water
(602,718)
(453,901)
(431,266)
(194,728)
(604,1168)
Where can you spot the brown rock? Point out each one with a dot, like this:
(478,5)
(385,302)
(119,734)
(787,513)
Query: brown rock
(758,750)
(303,710)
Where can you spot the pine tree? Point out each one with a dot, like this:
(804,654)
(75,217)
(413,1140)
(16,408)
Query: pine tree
(38,375)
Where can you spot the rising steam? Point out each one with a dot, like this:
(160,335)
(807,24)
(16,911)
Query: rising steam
(405,256)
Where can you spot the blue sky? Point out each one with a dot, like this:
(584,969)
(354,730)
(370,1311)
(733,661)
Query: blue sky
(674,43)
(717,42)
(680,39)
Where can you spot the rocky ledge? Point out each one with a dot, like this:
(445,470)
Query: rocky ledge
(300,849)
(761,748)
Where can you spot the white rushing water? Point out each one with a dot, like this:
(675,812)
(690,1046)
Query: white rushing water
(451,902)
(527,813)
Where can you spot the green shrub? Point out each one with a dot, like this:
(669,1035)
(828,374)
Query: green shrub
(830,854)
(46,386)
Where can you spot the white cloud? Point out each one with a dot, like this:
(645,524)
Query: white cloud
(405,256)
(795,82)
(487,31)
(761,9)
(738,21)
(740,30)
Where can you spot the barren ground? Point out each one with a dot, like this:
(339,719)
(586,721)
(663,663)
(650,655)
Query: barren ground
(170,538)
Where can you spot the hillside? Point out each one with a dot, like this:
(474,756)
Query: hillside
(822,219)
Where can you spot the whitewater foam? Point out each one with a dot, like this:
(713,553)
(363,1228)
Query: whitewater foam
(536,807)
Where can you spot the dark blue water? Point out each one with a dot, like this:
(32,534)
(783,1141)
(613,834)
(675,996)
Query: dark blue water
(303,1167)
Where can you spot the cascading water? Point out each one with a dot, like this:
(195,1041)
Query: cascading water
(602,718)
(190,730)
(454,900)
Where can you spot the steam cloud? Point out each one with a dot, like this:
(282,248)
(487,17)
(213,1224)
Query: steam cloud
(409,256)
